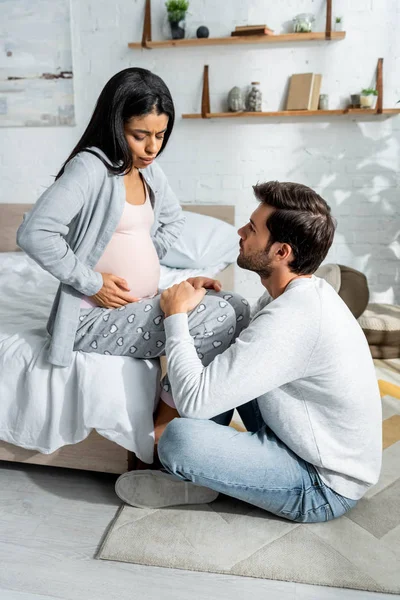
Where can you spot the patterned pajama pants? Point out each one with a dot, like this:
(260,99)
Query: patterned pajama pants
(137,329)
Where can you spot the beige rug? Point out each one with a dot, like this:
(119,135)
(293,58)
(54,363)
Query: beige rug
(360,550)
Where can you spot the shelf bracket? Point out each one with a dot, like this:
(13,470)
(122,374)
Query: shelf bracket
(205,98)
(379,86)
(146,37)
(328,27)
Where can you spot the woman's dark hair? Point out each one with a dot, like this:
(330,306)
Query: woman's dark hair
(130,93)
(302,219)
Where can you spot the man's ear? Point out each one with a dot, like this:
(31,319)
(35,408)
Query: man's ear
(285,251)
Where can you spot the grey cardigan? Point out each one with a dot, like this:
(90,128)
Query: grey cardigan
(69,227)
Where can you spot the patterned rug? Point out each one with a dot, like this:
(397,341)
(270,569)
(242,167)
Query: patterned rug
(361,550)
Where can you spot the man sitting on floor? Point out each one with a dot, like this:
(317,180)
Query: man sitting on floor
(300,375)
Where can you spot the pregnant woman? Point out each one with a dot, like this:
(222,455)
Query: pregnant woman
(102,227)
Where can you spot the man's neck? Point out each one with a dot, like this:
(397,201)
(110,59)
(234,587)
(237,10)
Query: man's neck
(277,283)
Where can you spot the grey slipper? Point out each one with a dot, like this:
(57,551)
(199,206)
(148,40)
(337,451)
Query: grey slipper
(156,489)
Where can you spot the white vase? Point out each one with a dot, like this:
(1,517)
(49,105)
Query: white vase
(368,101)
(339,26)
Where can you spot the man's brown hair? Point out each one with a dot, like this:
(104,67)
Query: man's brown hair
(301,219)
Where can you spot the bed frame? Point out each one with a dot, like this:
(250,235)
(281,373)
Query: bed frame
(95,453)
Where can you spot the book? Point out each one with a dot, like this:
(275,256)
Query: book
(316,89)
(304,91)
(244,27)
(260,31)
(253,30)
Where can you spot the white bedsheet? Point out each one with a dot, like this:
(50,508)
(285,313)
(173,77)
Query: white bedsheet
(43,407)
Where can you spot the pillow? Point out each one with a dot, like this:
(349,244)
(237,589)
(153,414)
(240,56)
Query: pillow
(204,241)
(351,285)
(381,325)
(331,274)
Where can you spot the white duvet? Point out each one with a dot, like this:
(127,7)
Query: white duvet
(43,407)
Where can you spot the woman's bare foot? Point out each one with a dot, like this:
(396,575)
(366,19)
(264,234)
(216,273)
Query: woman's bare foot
(164,414)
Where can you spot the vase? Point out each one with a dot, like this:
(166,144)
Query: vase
(254,99)
(177,29)
(323,102)
(303,23)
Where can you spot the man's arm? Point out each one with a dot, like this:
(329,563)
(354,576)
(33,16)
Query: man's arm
(259,304)
(267,355)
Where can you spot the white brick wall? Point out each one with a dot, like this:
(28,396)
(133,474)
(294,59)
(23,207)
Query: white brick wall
(353,163)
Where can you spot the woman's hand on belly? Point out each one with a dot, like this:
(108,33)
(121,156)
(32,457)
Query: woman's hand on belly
(114,293)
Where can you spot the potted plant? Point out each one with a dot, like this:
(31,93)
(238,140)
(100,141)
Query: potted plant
(339,24)
(176,10)
(368,98)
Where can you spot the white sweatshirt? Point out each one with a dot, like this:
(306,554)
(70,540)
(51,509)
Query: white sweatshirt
(306,360)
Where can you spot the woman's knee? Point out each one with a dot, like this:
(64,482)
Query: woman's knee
(217,313)
(240,307)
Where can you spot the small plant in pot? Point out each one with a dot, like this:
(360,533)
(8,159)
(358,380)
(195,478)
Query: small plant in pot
(176,10)
(339,24)
(368,98)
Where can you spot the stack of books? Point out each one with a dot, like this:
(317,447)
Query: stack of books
(252,30)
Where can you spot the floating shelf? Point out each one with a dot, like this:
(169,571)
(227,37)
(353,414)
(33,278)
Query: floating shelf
(379,110)
(148,43)
(327,35)
(294,113)
(237,41)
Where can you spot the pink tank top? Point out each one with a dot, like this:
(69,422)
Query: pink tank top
(131,253)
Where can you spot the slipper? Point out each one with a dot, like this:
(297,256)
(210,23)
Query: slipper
(156,489)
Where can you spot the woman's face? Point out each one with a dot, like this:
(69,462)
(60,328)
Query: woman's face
(145,137)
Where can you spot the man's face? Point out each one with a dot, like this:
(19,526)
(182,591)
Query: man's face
(255,237)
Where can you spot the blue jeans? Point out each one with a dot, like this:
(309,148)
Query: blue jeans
(253,466)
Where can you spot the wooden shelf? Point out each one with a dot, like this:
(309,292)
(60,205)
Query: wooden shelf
(379,110)
(293,113)
(148,43)
(206,113)
(235,41)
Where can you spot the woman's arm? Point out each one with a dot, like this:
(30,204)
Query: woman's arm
(43,230)
(171,218)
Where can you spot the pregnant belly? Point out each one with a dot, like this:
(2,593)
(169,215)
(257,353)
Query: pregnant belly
(135,259)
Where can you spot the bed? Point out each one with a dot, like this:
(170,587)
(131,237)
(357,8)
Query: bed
(103,444)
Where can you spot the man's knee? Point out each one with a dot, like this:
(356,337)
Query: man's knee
(171,440)
(181,438)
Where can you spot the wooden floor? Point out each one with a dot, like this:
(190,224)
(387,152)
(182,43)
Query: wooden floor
(51,522)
